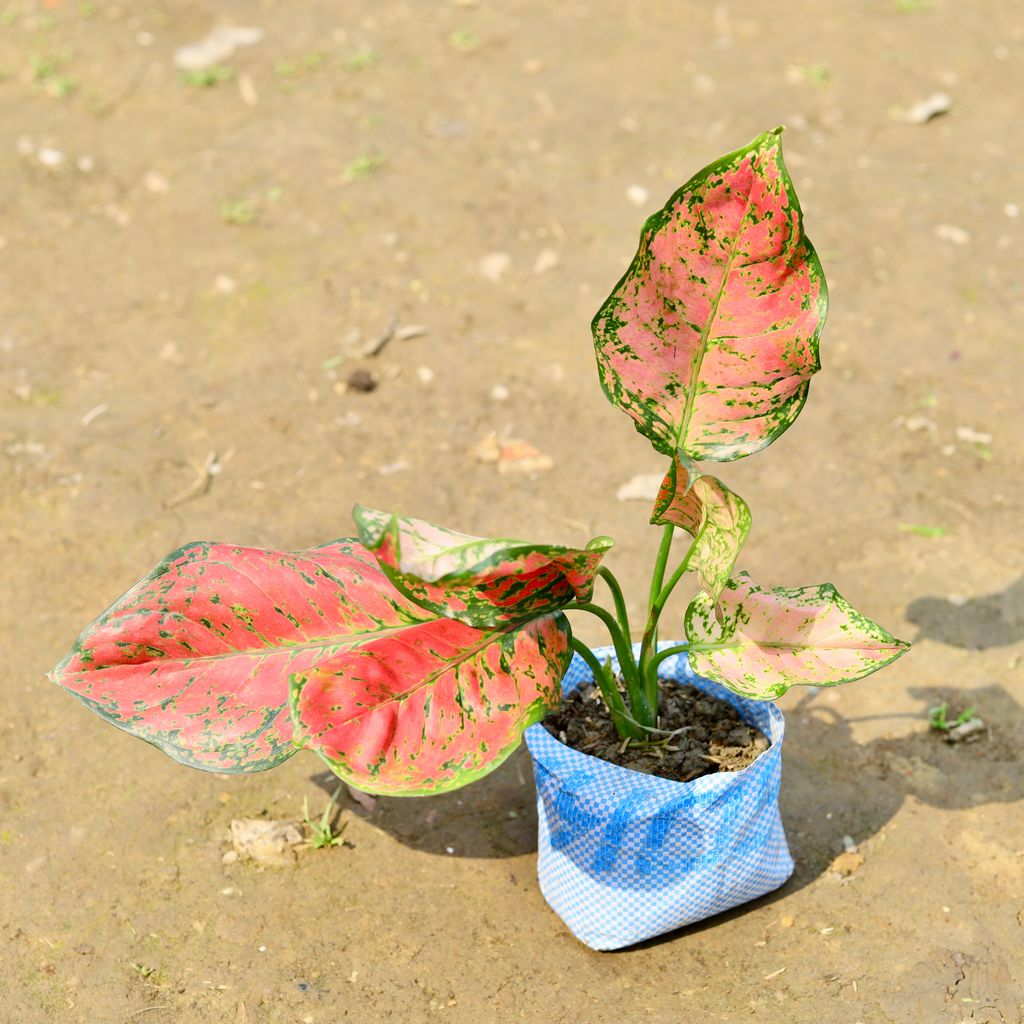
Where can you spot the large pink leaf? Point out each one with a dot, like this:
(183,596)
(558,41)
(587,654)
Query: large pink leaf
(770,640)
(482,582)
(710,338)
(716,518)
(197,657)
(430,706)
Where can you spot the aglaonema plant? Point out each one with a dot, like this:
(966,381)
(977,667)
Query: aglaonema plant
(412,658)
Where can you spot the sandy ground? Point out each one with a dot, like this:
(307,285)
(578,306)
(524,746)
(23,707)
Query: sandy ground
(187,271)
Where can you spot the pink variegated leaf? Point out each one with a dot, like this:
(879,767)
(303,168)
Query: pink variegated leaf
(430,706)
(716,518)
(482,582)
(196,659)
(770,640)
(709,340)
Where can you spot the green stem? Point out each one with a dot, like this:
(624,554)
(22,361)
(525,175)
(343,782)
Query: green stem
(627,662)
(658,577)
(649,643)
(605,681)
(656,659)
(620,602)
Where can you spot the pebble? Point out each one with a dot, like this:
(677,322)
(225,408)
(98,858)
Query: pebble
(362,381)
(1011,210)
(266,842)
(410,331)
(494,265)
(787,920)
(224,285)
(49,157)
(951,233)
(972,436)
(932,106)
(216,46)
(247,91)
(642,487)
(499,393)
(425,374)
(637,195)
(848,863)
(156,182)
(547,259)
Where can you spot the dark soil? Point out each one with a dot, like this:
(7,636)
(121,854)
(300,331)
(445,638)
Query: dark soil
(699,735)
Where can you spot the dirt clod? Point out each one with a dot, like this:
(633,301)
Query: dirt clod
(698,735)
(362,381)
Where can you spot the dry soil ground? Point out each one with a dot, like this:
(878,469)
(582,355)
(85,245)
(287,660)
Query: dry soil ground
(188,270)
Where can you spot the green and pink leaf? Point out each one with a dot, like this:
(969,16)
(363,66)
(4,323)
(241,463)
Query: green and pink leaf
(772,639)
(197,658)
(482,582)
(709,340)
(716,518)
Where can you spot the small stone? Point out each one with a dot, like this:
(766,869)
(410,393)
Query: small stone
(156,182)
(499,393)
(972,436)
(521,457)
(932,106)
(951,233)
(216,46)
(144,38)
(85,164)
(230,857)
(787,920)
(642,487)
(49,157)
(425,374)
(410,331)
(547,259)
(362,381)
(637,195)
(271,843)
(967,731)
(247,90)
(847,864)
(1011,210)
(494,265)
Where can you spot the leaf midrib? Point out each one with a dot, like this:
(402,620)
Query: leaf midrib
(705,334)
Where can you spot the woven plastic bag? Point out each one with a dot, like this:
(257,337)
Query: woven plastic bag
(624,856)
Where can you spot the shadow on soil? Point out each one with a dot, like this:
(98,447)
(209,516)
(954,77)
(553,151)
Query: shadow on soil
(833,786)
(992,620)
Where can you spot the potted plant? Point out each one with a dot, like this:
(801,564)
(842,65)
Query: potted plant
(413,658)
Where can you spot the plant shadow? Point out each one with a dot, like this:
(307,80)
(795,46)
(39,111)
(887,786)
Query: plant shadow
(833,786)
(976,623)
(493,818)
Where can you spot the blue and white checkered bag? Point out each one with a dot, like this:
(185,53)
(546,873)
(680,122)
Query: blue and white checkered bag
(625,856)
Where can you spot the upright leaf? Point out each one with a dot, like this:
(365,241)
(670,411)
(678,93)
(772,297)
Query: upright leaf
(716,518)
(709,340)
(770,640)
(197,657)
(478,581)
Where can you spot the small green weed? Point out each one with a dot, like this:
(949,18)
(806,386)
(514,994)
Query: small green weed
(208,77)
(938,718)
(923,531)
(361,167)
(322,834)
(238,211)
